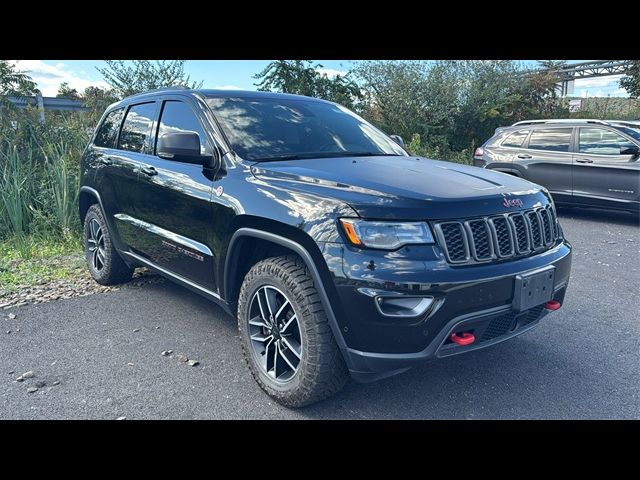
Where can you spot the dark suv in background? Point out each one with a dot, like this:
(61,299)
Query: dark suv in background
(337,251)
(581,162)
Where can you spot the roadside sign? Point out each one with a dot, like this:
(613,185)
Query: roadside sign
(575,105)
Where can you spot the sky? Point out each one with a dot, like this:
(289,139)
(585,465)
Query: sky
(237,74)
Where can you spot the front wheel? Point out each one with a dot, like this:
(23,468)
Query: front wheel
(286,337)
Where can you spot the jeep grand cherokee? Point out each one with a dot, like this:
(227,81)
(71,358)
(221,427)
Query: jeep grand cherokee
(338,252)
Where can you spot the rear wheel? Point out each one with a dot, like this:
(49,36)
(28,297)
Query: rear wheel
(286,338)
(105,265)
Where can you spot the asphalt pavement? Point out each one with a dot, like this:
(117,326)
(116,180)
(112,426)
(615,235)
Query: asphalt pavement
(105,351)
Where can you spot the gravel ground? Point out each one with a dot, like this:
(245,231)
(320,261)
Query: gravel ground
(101,356)
(79,284)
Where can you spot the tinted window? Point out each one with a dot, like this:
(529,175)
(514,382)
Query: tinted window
(601,141)
(516,139)
(137,127)
(555,140)
(273,128)
(108,131)
(178,117)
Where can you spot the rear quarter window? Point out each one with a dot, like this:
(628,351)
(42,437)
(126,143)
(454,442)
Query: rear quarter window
(516,139)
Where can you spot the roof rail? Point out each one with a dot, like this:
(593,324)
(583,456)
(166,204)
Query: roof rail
(559,120)
(161,89)
(632,123)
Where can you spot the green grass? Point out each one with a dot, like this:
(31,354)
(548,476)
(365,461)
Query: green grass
(32,260)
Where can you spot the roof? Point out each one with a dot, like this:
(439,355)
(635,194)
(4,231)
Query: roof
(205,92)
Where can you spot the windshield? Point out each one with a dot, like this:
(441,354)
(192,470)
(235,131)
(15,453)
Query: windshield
(631,131)
(263,129)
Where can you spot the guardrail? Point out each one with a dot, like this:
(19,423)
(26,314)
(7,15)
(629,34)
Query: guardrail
(48,103)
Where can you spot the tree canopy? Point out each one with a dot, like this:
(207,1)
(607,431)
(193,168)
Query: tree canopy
(14,83)
(631,83)
(301,77)
(142,75)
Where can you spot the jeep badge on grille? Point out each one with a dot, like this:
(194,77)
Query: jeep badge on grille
(512,202)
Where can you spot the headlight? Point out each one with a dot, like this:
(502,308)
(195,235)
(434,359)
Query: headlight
(385,235)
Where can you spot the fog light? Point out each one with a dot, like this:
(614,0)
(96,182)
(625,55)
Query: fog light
(403,306)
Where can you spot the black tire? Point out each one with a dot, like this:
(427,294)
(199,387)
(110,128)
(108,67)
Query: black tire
(110,269)
(321,371)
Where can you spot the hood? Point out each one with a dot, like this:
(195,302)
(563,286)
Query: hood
(405,187)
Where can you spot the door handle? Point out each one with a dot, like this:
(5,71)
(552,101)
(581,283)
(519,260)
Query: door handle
(105,161)
(583,160)
(524,156)
(148,170)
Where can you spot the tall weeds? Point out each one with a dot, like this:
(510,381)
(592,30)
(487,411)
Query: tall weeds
(39,174)
(60,189)
(17,190)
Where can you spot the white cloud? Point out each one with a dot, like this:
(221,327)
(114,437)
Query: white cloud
(598,81)
(227,87)
(49,77)
(331,72)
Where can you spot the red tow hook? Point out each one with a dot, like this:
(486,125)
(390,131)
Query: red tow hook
(463,338)
(552,305)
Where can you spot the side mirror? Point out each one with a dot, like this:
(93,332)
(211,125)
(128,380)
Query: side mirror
(180,146)
(398,139)
(633,150)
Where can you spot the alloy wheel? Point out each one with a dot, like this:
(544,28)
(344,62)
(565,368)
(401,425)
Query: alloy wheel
(95,244)
(274,331)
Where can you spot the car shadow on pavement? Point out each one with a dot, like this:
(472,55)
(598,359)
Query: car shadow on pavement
(501,382)
(598,215)
(536,375)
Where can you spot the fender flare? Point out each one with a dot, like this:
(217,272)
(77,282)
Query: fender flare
(93,192)
(110,224)
(311,266)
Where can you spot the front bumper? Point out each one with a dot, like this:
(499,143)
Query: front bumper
(476,297)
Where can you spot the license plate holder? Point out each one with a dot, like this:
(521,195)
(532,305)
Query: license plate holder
(533,288)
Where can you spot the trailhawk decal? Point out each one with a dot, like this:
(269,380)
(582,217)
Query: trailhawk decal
(183,251)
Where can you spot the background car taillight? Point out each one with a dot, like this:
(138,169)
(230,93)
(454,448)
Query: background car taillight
(479,153)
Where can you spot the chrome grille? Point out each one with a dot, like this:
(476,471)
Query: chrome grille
(498,237)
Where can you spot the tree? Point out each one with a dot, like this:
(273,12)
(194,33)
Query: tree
(454,105)
(139,76)
(301,77)
(398,97)
(631,83)
(14,83)
(97,98)
(65,91)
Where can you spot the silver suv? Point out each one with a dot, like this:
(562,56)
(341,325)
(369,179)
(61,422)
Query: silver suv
(591,163)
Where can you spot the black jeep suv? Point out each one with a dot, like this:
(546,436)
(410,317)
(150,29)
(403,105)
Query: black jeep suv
(338,252)
(590,163)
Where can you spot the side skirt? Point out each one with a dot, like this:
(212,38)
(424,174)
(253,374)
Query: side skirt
(138,260)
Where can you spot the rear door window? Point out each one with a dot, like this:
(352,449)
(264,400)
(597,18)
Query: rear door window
(108,131)
(136,129)
(516,139)
(552,139)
